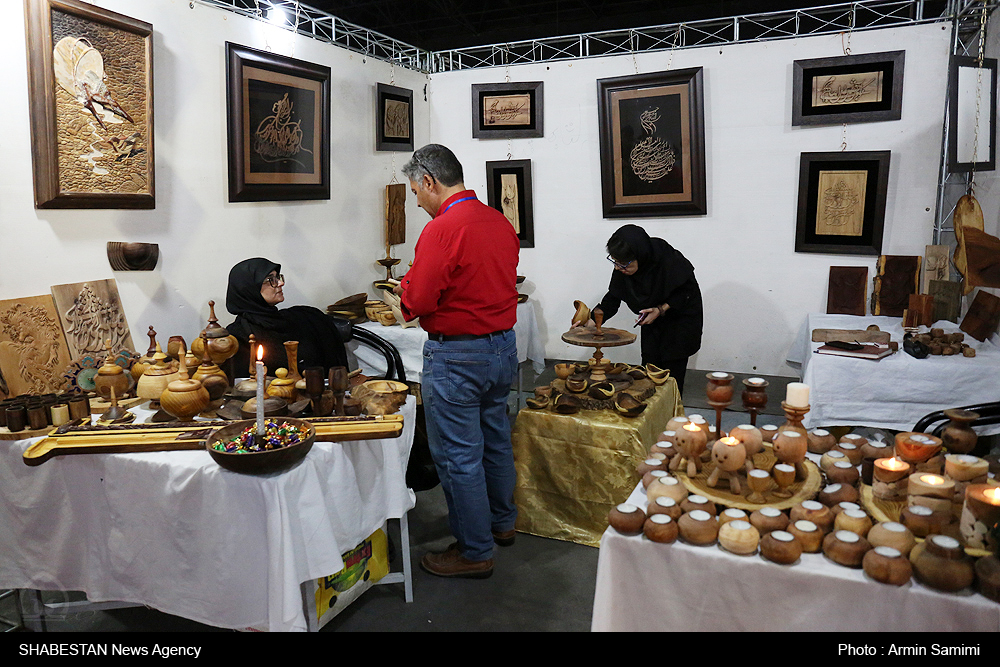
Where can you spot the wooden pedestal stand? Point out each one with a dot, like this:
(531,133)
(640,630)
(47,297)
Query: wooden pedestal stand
(598,337)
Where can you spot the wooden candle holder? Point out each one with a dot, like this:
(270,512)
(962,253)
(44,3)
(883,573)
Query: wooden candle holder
(980,514)
(754,397)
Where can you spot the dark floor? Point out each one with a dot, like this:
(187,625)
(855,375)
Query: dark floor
(538,584)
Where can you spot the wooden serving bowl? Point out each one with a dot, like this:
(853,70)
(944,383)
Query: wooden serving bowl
(259,463)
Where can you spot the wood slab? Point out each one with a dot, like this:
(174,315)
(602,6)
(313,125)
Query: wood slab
(936,265)
(33,350)
(896,280)
(982,253)
(968,215)
(870,335)
(847,293)
(91,313)
(919,311)
(983,317)
(395,214)
(947,300)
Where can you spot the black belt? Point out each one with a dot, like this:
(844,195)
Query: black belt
(443,337)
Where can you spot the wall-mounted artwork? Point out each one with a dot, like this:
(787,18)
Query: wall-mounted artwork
(393,118)
(842,202)
(508,189)
(507,110)
(33,350)
(652,136)
(91,314)
(972,110)
(860,88)
(847,293)
(278,120)
(90,82)
(896,279)
(395,214)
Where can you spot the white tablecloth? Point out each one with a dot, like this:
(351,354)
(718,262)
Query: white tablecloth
(896,391)
(176,532)
(643,586)
(410,343)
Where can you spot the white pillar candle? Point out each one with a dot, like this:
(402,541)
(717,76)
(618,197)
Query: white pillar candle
(797,394)
(260,390)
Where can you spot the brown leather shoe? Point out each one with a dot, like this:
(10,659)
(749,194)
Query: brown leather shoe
(504,539)
(452,563)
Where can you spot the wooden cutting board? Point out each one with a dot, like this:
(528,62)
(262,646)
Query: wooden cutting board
(968,215)
(870,335)
(33,351)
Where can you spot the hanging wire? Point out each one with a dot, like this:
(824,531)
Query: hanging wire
(846,46)
(673,47)
(979,98)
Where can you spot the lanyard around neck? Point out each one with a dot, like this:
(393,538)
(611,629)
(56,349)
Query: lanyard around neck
(457,201)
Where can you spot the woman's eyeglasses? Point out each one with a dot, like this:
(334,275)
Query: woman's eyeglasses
(619,265)
(275,279)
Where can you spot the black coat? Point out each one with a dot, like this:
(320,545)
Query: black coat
(664,275)
(320,343)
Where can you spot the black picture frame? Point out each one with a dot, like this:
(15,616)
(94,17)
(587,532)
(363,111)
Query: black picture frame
(852,188)
(393,118)
(508,110)
(963,153)
(517,174)
(829,91)
(653,161)
(283,156)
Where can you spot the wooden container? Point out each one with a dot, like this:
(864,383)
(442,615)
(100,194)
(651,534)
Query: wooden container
(855,521)
(698,527)
(661,528)
(915,448)
(818,513)
(833,494)
(739,537)
(184,399)
(651,464)
(892,534)
(697,502)
(988,577)
(845,548)
(931,486)
(980,512)
(768,431)
(807,534)
(923,521)
(731,514)
(752,440)
(820,441)
(844,505)
(843,472)
(780,546)
(831,458)
(651,476)
(965,468)
(768,519)
(941,563)
(627,519)
(887,565)
(850,450)
(664,505)
(666,486)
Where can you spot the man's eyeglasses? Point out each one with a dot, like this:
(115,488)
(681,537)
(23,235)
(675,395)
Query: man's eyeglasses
(274,280)
(619,265)
(424,167)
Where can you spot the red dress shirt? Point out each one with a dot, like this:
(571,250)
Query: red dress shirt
(464,274)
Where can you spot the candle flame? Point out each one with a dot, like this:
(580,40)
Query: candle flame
(730,440)
(260,352)
(894,464)
(993,495)
(931,479)
(692,427)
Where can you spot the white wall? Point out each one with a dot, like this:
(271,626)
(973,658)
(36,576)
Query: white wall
(757,289)
(327,248)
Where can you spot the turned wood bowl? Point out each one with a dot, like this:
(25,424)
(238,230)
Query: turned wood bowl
(627,519)
(780,546)
(845,548)
(887,565)
(660,528)
(768,519)
(699,528)
(259,463)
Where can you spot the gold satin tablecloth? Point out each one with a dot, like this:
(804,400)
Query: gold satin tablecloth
(572,469)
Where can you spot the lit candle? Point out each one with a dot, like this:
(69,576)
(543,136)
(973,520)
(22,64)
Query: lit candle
(931,486)
(797,395)
(260,390)
(965,468)
(980,512)
(891,470)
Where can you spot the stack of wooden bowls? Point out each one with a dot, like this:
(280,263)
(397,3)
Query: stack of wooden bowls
(351,308)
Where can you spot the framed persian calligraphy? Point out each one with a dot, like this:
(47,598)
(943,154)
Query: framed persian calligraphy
(848,89)
(652,140)
(393,118)
(90,91)
(508,190)
(507,110)
(842,202)
(278,121)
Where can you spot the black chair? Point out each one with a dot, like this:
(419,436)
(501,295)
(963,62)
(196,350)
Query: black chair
(393,361)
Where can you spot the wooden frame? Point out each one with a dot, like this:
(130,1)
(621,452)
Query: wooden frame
(864,88)
(849,216)
(278,122)
(652,139)
(393,118)
(90,93)
(965,153)
(508,110)
(508,189)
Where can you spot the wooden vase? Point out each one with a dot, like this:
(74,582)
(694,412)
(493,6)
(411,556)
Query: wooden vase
(184,399)
(217,340)
(958,436)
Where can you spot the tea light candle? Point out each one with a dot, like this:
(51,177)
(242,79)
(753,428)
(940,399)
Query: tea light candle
(768,431)
(260,390)
(891,470)
(980,511)
(931,486)
(797,395)
(965,467)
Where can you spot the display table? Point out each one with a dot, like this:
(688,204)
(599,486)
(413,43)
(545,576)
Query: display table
(572,469)
(896,391)
(174,531)
(410,343)
(643,586)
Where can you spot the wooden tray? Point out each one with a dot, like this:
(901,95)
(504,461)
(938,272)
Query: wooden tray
(765,459)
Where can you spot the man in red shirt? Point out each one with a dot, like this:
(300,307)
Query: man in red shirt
(462,286)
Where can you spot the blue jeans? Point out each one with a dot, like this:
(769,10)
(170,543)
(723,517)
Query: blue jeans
(465,387)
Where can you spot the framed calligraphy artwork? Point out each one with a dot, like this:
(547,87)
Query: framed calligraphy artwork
(508,190)
(90,83)
(842,202)
(652,140)
(848,89)
(393,118)
(278,120)
(507,110)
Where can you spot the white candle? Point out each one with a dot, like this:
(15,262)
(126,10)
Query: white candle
(260,390)
(797,395)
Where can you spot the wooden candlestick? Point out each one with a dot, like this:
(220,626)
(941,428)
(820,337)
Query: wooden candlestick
(889,478)
(754,397)
(794,415)
(719,391)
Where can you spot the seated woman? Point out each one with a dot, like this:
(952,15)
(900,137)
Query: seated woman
(255,290)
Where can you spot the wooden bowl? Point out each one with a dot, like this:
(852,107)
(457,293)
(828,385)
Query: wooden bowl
(845,548)
(732,514)
(739,537)
(817,513)
(768,519)
(651,464)
(667,486)
(628,405)
(843,472)
(856,521)
(652,476)
(941,563)
(887,566)
(780,546)
(661,528)
(259,463)
(664,505)
(832,494)
(698,527)
(563,371)
(892,534)
(820,441)
(627,519)
(808,535)
(698,502)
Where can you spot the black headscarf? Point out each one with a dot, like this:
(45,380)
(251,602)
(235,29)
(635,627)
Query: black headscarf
(320,343)
(664,275)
